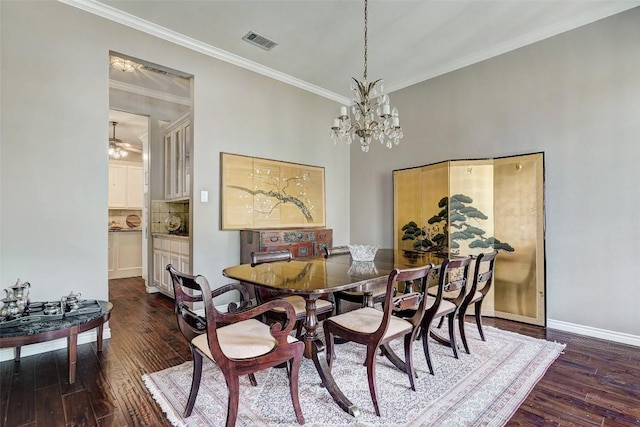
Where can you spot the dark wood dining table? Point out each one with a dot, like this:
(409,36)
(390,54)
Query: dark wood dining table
(314,277)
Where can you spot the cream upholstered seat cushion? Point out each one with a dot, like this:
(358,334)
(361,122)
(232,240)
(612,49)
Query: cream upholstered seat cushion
(299,304)
(242,340)
(367,320)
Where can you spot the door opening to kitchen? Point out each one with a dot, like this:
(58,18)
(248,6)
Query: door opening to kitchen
(150,179)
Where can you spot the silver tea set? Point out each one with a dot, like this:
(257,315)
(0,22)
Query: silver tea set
(16,302)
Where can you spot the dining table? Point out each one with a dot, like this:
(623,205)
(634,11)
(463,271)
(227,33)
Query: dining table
(314,277)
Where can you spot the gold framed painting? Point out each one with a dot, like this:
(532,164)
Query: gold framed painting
(261,193)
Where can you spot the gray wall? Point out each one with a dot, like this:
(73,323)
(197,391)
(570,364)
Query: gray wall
(576,97)
(55,100)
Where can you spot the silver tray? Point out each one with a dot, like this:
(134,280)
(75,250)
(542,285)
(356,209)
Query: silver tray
(86,307)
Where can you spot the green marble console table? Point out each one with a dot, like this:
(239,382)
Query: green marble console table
(34,329)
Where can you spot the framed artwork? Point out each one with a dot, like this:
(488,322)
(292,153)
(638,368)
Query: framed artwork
(260,193)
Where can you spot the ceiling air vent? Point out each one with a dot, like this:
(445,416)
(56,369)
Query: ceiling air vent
(260,41)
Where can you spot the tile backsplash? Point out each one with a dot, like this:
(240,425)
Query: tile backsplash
(161,210)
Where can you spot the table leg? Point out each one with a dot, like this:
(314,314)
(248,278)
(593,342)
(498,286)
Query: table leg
(99,342)
(314,349)
(16,354)
(72,353)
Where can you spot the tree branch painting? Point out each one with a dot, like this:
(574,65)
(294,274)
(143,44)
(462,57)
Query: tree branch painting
(262,193)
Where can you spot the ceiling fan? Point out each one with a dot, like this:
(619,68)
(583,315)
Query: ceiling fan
(119,149)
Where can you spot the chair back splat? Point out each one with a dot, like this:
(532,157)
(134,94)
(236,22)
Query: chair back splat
(238,343)
(273,256)
(336,250)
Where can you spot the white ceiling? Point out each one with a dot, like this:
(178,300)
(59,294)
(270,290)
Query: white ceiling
(130,127)
(321,43)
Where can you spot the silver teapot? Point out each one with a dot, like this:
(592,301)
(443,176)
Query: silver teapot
(71,301)
(20,291)
(10,306)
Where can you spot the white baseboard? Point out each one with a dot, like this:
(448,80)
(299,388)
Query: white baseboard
(594,332)
(43,347)
(152,289)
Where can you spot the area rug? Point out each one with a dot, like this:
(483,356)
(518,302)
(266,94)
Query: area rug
(483,388)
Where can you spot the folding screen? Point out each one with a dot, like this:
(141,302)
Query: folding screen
(465,207)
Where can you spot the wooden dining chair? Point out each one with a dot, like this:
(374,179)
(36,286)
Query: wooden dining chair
(242,346)
(324,308)
(451,280)
(356,297)
(377,328)
(190,323)
(481,285)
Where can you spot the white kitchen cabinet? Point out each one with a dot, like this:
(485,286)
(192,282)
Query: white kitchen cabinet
(177,157)
(117,186)
(125,254)
(169,250)
(134,187)
(125,186)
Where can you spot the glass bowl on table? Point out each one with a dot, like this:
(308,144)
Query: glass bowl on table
(363,252)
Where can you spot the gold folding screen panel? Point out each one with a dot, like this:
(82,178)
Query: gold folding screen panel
(465,207)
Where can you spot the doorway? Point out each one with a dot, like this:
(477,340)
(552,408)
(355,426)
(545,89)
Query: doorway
(147,99)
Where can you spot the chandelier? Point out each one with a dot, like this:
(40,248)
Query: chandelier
(116,149)
(122,64)
(372,118)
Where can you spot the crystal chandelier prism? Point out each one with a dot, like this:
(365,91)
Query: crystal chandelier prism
(372,118)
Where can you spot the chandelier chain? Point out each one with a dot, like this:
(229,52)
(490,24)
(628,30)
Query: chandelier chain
(366,22)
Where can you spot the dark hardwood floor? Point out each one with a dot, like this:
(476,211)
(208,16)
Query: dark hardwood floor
(594,383)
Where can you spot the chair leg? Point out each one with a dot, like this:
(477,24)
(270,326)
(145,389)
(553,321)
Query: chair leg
(233,384)
(252,380)
(371,376)
(195,382)
(452,333)
(408,357)
(478,311)
(441,322)
(463,336)
(293,387)
(337,305)
(427,350)
(328,337)
(299,325)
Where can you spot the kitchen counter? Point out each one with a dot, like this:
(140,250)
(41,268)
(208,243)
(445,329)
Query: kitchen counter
(124,230)
(171,236)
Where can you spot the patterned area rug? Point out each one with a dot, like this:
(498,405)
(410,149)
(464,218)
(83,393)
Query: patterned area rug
(484,388)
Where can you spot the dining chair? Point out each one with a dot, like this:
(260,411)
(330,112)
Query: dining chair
(324,308)
(481,285)
(244,345)
(451,280)
(190,323)
(357,297)
(377,328)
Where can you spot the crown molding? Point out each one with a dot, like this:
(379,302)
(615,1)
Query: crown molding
(136,23)
(604,11)
(138,90)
